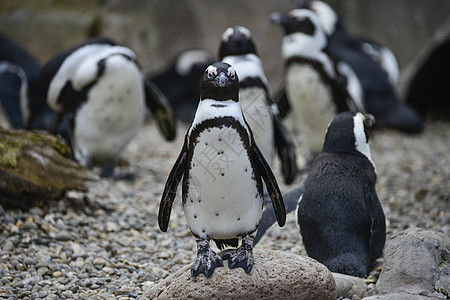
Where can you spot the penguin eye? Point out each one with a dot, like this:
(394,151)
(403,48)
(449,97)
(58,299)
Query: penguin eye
(210,75)
(232,76)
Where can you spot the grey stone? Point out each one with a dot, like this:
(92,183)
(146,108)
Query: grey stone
(275,275)
(398,296)
(348,286)
(416,262)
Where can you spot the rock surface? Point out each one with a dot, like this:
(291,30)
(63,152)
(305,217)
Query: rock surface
(416,262)
(275,275)
(348,286)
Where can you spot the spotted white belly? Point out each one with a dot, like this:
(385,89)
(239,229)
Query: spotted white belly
(222,199)
(113,114)
(312,102)
(259,118)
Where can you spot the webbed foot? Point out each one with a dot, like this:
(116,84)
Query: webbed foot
(243,256)
(207,260)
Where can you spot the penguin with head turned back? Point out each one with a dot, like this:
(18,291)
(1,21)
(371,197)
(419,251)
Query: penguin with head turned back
(375,67)
(238,49)
(223,172)
(99,86)
(315,88)
(180,83)
(341,220)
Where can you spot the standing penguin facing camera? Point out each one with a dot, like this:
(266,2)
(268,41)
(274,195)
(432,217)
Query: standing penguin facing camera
(99,86)
(341,220)
(222,170)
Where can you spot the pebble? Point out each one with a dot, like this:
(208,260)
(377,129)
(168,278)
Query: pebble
(108,244)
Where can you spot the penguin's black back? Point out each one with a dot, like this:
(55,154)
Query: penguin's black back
(16,55)
(51,68)
(380,98)
(334,219)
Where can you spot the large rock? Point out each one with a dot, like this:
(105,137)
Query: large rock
(275,275)
(416,262)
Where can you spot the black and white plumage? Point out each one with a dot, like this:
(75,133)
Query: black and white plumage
(19,97)
(180,83)
(99,86)
(341,220)
(223,172)
(314,85)
(376,69)
(238,49)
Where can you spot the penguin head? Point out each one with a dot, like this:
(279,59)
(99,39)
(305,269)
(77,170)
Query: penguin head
(349,133)
(328,17)
(297,20)
(236,41)
(220,82)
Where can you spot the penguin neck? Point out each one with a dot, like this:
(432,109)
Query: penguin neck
(299,44)
(210,108)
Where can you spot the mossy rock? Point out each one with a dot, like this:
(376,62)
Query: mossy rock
(37,166)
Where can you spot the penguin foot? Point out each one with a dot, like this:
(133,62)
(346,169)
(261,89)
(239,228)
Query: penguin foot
(243,256)
(207,260)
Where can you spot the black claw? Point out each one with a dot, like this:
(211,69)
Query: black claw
(243,256)
(207,260)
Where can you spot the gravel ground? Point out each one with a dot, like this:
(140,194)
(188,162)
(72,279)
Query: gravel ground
(106,244)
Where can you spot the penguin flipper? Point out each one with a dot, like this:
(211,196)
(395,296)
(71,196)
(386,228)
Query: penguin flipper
(378,224)
(268,218)
(271,184)
(161,109)
(170,189)
(286,150)
(282,101)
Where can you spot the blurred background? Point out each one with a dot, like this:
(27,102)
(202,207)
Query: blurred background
(158,30)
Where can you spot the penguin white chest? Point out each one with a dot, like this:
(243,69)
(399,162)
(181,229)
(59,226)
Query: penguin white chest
(113,114)
(312,101)
(259,118)
(223,199)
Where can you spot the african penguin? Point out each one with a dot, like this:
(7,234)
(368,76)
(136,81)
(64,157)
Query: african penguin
(314,85)
(19,74)
(376,69)
(238,49)
(341,220)
(180,82)
(223,172)
(99,86)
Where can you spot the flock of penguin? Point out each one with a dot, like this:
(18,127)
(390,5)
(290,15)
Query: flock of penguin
(337,86)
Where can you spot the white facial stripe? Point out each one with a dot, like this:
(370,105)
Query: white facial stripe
(211,70)
(231,72)
(361,144)
(227,34)
(245,32)
(326,15)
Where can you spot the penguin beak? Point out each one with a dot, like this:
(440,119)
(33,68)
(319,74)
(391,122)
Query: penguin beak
(221,79)
(369,120)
